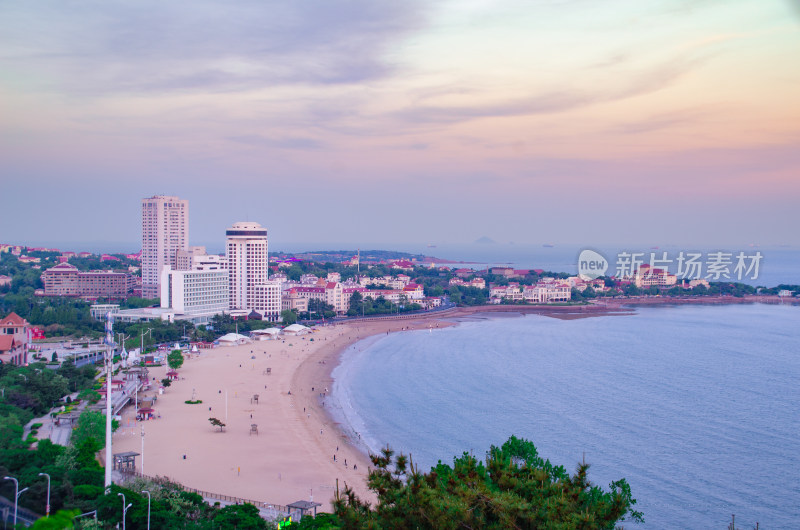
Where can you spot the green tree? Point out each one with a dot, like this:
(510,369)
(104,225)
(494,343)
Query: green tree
(175,359)
(288,316)
(91,425)
(240,516)
(58,521)
(356,304)
(217,423)
(514,488)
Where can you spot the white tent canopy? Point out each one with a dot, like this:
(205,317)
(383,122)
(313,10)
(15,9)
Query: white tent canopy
(232,339)
(296,329)
(264,334)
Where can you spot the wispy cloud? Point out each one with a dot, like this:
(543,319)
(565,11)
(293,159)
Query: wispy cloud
(568,98)
(280,143)
(149,46)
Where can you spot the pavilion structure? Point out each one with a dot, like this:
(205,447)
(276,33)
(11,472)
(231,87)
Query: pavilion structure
(303,507)
(125,461)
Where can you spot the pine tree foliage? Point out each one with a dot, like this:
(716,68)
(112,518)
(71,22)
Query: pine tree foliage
(513,488)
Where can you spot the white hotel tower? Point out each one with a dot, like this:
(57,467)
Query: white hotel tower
(248,266)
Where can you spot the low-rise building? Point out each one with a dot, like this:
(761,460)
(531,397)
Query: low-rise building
(99,311)
(647,276)
(291,300)
(198,293)
(5,280)
(510,292)
(544,293)
(698,282)
(414,291)
(267,300)
(65,279)
(13,340)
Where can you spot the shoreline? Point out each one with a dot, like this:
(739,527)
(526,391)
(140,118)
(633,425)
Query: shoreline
(293,455)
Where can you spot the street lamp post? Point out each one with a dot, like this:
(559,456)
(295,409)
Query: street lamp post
(148,507)
(17,493)
(141,344)
(142,449)
(47,506)
(124,509)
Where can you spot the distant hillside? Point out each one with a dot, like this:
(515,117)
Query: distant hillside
(338,256)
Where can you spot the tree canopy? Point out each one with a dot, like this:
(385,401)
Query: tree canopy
(513,488)
(175,359)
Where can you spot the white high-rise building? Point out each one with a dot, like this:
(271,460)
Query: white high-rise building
(248,262)
(248,267)
(165,231)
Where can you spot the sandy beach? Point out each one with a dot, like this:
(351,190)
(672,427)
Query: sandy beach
(292,456)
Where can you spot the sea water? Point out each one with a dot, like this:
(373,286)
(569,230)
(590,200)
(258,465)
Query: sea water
(697,407)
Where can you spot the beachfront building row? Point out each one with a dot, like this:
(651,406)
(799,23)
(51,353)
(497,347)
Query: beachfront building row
(65,279)
(544,292)
(391,282)
(478,283)
(338,295)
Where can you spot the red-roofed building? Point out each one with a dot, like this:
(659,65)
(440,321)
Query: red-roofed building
(463,273)
(402,264)
(13,340)
(65,279)
(414,291)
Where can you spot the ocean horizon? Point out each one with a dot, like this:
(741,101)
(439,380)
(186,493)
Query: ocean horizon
(694,406)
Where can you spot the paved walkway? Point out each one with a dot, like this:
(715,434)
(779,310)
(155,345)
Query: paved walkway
(57,434)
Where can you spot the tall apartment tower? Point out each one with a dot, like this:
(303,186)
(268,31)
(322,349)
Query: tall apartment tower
(248,263)
(165,231)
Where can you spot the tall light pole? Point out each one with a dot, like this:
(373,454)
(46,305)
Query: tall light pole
(142,449)
(109,360)
(148,507)
(124,509)
(47,506)
(17,493)
(141,344)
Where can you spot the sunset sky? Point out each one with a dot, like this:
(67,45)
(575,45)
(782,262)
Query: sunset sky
(384,123)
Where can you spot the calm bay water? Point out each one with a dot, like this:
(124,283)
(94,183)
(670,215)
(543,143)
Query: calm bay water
(697,407)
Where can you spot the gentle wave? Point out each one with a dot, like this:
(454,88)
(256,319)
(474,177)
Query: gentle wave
(696,406)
